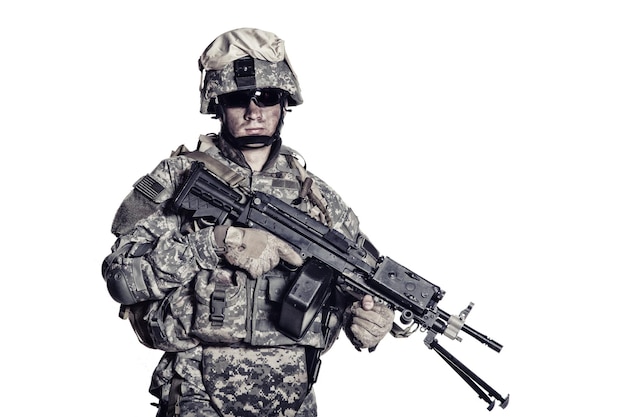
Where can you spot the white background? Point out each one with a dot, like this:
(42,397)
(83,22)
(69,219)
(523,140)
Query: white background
(480,143)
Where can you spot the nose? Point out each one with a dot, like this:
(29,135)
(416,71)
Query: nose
(253,111)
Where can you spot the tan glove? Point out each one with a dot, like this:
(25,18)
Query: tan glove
(255,251)
(370,322)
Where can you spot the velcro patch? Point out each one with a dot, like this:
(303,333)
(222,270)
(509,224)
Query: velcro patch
(149,187)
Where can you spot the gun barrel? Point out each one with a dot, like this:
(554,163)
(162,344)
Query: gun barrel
(482,338)
(475,334)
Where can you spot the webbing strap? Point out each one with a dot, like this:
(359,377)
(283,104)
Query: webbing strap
(230,176)
(227,174)
(173,402)
(311,189)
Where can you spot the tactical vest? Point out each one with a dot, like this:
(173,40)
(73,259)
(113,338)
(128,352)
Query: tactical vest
(248,311)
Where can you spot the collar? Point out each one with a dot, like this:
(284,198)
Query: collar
(235,155)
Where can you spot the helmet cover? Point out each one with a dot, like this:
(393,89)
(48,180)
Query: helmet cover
(243,59)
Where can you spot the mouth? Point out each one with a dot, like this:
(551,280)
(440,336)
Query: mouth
(254,131)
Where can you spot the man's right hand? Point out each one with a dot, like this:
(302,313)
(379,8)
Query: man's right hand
(253,250)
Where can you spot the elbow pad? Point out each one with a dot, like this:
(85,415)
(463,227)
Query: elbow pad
(117,284)
(123,275)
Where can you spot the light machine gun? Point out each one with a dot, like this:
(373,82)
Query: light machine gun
(333,259)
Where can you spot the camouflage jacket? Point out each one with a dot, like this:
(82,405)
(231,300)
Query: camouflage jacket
(171,266)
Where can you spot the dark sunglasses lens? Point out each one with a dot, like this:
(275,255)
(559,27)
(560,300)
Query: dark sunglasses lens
(268,97)
(236,99)
(263,97)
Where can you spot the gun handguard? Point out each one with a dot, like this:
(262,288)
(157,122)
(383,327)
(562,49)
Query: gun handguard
(332,259)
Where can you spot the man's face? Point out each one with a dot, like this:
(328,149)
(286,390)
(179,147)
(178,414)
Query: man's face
(252,120)
(252,113)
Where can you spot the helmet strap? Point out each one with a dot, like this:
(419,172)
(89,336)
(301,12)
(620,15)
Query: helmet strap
(247,142)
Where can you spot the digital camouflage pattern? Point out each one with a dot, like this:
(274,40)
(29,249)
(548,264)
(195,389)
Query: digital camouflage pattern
(244,366)
(255,381)
(250,383)
(267,75)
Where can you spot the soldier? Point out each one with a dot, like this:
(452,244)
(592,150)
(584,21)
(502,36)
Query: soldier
(208,294)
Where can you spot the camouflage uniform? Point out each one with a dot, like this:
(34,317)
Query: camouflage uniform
(246,366)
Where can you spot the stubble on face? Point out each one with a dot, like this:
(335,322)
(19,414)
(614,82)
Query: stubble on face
(252,120)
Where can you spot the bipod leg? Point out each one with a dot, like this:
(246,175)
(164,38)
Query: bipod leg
(481,394)
(473,380)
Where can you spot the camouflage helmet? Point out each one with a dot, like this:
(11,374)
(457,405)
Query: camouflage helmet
(244,59)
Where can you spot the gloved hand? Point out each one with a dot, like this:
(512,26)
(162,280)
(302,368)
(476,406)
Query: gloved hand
(253,250)
(370,322)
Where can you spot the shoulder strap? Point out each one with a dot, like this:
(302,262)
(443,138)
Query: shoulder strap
(230,176)
(309,188)
(227,174)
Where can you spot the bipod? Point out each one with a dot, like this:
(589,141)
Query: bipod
(484,391)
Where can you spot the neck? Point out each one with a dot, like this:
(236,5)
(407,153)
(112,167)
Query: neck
(256,157)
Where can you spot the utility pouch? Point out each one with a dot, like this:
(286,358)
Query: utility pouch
(221,308)
(305,297)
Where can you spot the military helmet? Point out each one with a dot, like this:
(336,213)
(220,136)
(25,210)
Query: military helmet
(244,59)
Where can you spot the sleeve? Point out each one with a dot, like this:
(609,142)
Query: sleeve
(346,301)
(341,215)
(152,254)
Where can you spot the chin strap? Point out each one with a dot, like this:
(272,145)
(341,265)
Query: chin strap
(244,142)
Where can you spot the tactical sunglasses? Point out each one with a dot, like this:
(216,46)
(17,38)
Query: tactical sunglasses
(262,97)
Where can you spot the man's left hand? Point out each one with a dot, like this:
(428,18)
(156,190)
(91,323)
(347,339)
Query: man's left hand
(370,322)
